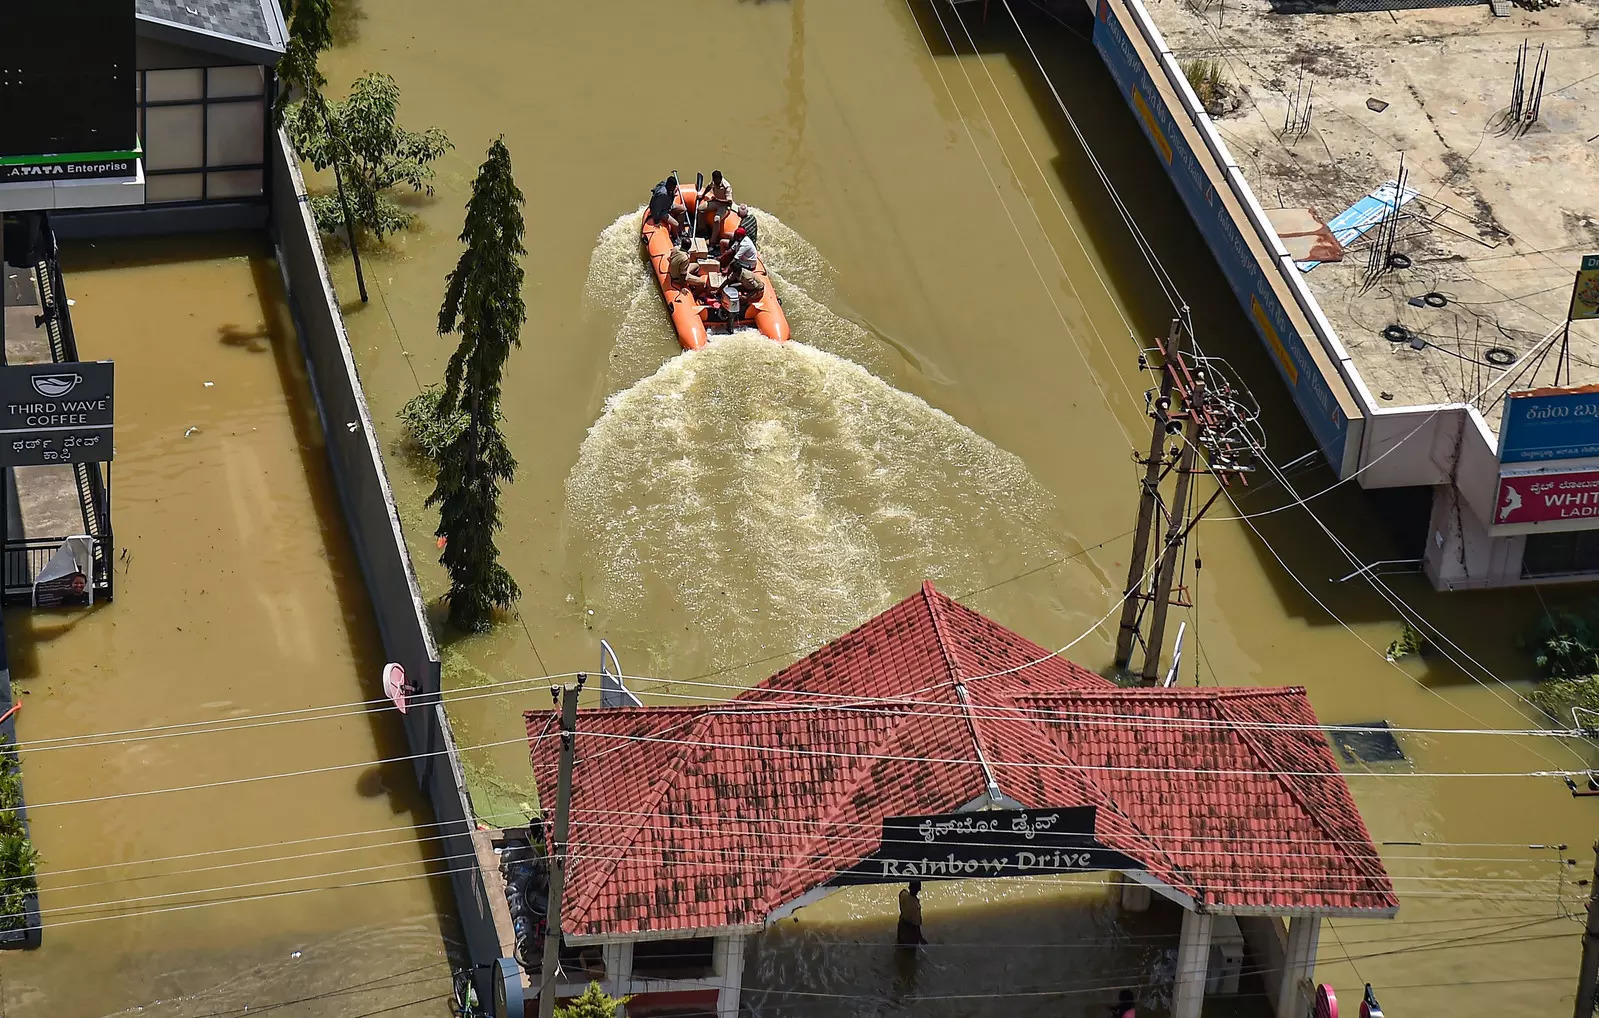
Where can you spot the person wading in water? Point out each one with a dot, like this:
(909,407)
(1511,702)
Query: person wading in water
(909,932)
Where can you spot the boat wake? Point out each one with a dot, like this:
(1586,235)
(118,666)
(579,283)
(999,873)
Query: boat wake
(756,497)
(620,287)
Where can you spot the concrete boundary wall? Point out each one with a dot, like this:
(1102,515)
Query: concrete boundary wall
(375,530)
(32,933)
(1291,326)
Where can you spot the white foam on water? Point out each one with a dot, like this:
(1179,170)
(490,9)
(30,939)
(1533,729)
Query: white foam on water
(777,494)
(616,269)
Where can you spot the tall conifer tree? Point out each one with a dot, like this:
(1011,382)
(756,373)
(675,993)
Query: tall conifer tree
(483,302)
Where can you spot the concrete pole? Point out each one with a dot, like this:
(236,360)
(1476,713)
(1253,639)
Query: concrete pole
(557,850)
(1193,964)
(1299,965)
(1588,975)
(1146,507)
(1175,540)
(729,974)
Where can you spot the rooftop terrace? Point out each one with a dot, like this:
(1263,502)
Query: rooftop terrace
(1503,209)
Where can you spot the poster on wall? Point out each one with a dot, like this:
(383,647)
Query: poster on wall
(1585,291)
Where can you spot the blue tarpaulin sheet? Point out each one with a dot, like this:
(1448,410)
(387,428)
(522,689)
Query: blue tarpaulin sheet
(1362,216)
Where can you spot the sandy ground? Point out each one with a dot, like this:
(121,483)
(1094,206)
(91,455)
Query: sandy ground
(1506,209)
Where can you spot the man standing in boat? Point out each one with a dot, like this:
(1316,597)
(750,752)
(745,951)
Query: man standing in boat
(716,199)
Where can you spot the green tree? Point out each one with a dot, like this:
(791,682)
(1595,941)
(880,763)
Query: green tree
(483,302)
(427,431)
(1565,650)
(595,1003)
(374,152)
(309,35)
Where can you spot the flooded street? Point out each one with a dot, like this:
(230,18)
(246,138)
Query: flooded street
(960,405)
(237,596)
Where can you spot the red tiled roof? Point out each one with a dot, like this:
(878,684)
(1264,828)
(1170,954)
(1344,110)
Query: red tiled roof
(709,817)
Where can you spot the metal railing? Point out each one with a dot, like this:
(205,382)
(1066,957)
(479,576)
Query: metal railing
(24,558)
(93,487)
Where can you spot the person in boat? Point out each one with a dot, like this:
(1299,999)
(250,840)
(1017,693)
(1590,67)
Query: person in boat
(665,207)
(746,219)
(742,282)
(682,272)
(715,200)
(1125,1006)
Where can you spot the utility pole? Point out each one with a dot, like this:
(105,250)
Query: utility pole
(566,696)
(1217,419)
(1131,597)
(1175,541)
(1588,976)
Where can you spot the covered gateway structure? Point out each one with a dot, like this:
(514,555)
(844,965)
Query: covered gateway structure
(702,825)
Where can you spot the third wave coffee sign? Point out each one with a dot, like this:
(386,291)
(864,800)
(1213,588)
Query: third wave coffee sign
(987,843)
(55,413)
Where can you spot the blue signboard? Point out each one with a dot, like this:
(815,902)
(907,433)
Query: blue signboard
(1549,426)
(1316,402)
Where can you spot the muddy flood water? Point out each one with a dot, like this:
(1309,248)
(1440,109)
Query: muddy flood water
(237,596)
(960,405)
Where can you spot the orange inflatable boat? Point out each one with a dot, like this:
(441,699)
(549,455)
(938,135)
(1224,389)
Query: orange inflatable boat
(695,305)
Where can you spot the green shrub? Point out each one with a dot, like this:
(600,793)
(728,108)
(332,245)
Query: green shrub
(1410,642)
(1563,645)
(1558,696)
(426,432)
(595,1003)
(19,860)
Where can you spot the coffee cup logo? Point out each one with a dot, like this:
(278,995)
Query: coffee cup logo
(55,386)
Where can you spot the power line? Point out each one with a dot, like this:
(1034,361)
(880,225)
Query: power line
(718,820)
(873,840)
(775,749)
(84,907)
(1187,870)
(1012,219)
(400,843)
(1066,877)
(1073,767)
(252,897)
(1230,839)
(861,702)
(378,705)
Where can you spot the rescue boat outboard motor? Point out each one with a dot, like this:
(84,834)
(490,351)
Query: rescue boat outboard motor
(1369,1008)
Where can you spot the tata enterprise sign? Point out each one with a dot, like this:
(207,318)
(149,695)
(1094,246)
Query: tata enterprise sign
(987,843)
(67,90)
(56,413)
